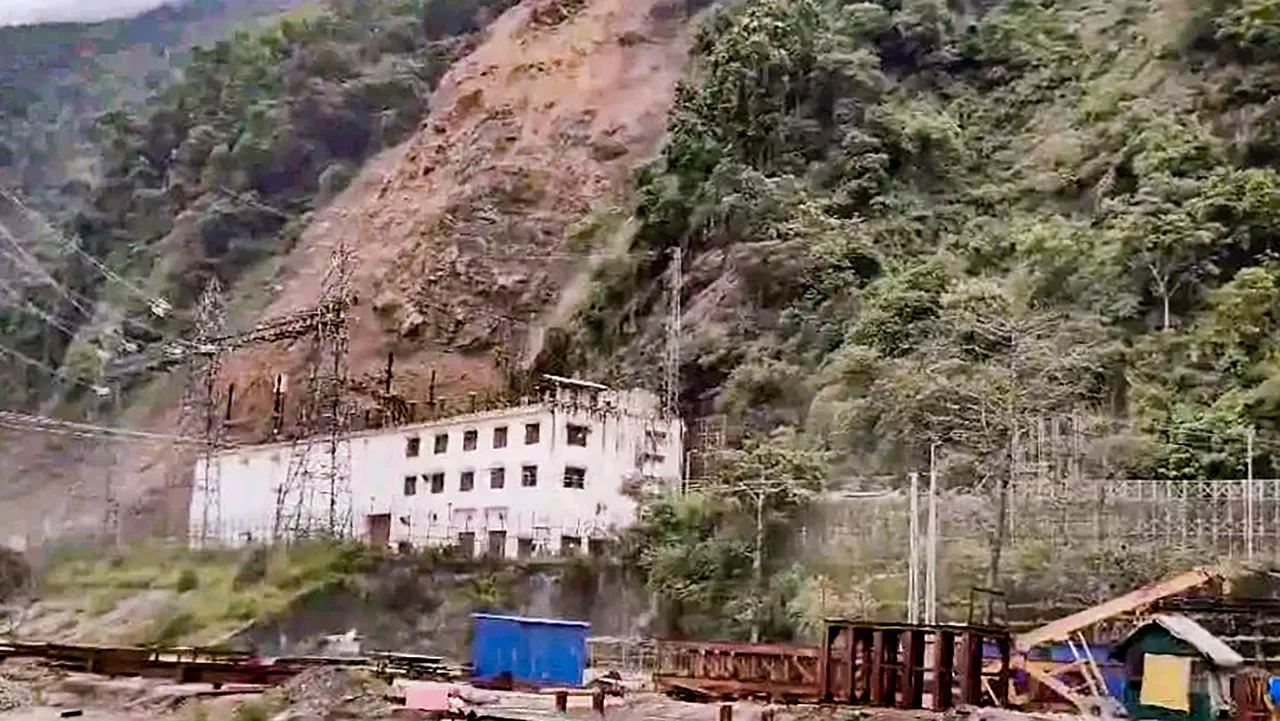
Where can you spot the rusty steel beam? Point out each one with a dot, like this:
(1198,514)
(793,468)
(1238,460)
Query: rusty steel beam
(740,669)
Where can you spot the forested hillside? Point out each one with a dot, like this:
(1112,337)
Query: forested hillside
(915,225)
(910,223)
(218,172)
(58,77)
(908,226)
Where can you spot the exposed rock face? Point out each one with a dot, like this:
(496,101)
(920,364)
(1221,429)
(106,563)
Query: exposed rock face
(461,233)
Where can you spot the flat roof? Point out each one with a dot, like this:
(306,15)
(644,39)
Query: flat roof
(528,619)
(575,382)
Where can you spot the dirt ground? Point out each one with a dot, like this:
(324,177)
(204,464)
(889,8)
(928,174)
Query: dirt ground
(44,694)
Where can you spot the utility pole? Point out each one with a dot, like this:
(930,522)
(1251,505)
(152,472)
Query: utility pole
(106,459)
(757,567)
(913,574)
(1249,496)
(931,559)
(759,491)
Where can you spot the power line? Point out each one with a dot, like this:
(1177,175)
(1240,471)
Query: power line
(76,299)
(56,373)
(159,307)
(35,310)
(35,265)
(25,422)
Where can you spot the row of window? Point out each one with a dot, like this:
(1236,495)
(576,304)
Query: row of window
(471,438)
(574,477)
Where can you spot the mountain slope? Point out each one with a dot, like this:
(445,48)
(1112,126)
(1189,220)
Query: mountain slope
(466,240)
(58,76)
(911,223)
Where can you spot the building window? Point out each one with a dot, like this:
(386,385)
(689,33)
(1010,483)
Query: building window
(468,481)
(532,433)
(500,437)
(437,483)
(570,545)
(412,446)
(497,477)
(411,485)
(578,435)
(469,440)
(442,443)
(529,476)
(575,477)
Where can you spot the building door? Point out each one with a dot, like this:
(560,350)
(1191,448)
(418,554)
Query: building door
(467,544)
(379,527)
(497,544)
(524,548)
(570,545)
(597,547)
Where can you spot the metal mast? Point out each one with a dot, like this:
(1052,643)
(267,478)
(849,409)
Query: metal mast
(671,375)
(211,322)
(324,419)
(199,407)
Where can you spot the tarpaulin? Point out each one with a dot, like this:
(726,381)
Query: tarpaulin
(1166,682)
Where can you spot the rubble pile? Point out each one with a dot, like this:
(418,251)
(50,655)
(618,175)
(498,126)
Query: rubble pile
(318,693)
(13,695)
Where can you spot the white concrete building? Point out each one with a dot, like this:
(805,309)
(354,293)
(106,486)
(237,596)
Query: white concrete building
(542,478)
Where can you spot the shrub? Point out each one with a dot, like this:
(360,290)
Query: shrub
(252,570)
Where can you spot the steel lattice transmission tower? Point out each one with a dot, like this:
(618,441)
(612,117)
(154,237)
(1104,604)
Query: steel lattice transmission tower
(211,320)
(320,456)
(199,409)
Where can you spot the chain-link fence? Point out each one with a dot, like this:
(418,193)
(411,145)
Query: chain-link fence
(1065,545)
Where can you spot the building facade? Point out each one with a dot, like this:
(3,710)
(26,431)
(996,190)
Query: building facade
(545,477)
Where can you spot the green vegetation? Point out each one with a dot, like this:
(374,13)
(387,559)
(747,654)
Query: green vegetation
(944,224)
(940,221)
(251,711)
(697,550)
(205,595)
(218,172)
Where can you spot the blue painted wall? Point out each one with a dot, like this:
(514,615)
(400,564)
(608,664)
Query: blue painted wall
(537,651)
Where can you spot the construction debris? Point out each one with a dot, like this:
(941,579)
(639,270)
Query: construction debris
(13,695)
(317,692)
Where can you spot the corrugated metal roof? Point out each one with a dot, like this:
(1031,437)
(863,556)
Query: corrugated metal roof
(529,619)
(1191,632)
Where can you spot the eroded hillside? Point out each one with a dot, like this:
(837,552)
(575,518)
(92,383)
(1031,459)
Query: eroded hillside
(467,234)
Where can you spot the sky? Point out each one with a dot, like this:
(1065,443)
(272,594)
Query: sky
(24,12)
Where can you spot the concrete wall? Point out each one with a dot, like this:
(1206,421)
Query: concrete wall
(625,439)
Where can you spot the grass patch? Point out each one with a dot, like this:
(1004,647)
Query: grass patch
(251,711)
(212,593)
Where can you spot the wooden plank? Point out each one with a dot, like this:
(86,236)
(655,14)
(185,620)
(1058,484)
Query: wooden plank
(1059,688)
(1062,628)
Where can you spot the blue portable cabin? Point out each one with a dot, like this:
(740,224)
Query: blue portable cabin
(536,651)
